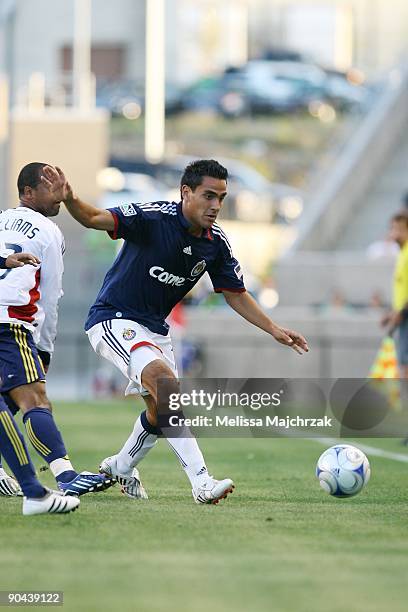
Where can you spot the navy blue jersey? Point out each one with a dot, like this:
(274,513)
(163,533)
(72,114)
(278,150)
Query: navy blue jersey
(159,264)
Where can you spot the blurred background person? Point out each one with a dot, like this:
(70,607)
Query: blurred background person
(397,319)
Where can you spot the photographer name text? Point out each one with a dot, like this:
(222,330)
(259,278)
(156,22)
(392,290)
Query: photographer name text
(286,422)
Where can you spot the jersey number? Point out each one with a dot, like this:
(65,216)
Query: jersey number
(14,248)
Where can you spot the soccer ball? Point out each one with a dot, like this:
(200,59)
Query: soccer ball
(343,470)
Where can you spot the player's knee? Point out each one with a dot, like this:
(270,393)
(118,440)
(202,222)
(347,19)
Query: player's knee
(31,396)
(155,372)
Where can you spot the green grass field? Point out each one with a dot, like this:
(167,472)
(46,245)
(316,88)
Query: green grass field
(278,543)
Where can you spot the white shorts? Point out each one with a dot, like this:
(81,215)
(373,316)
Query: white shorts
(131,347)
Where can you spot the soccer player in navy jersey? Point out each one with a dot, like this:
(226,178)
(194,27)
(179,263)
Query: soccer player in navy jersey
(167,247)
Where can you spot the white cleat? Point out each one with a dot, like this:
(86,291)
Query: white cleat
(8,486)
(211,490)
(131,484)
(53,502)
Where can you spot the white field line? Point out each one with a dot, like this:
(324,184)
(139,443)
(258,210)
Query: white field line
(369,450)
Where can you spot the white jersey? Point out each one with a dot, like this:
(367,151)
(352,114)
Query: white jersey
(29,295)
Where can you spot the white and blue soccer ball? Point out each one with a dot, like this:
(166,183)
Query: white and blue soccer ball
(343,470)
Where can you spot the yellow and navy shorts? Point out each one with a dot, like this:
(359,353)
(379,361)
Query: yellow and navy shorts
(20,363)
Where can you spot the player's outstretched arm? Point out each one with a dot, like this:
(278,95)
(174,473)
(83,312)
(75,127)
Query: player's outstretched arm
(17,260)
(245,305)
(87,215)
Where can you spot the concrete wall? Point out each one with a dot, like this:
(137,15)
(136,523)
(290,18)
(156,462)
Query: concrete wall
(340,344)
(310,278)
(76,142)
(43,27)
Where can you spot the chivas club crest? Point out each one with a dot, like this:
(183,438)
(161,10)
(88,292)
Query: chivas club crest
(198,268)
(128,334)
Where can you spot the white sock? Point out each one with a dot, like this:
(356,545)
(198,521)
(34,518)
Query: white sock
(58,466)
(140,441)
(190,457)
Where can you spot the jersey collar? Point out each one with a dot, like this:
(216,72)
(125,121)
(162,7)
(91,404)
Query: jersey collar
(185,224)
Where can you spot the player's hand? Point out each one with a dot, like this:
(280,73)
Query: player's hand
(392,320)
(54,179)
(18,260)
(396,319)
(385,320)
(291,338)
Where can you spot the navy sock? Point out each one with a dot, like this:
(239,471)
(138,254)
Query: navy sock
(44,434)
(66,476)
(146,425)
(15,452)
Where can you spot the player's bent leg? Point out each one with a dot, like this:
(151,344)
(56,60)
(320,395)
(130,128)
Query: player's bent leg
(14,450)
(47,441)
(144,363)
(144,435)
(122,466)
(205,489)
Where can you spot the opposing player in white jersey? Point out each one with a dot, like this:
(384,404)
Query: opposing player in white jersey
(28,324)
(37,499)
(8,486)
(168,246)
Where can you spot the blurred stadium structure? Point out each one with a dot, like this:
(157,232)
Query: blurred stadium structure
(314,268)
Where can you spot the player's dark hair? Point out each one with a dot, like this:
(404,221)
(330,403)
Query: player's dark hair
(29,176)
(195,172)
(401,215)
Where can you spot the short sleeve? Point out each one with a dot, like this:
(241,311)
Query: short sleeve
(130,221)
(226,273)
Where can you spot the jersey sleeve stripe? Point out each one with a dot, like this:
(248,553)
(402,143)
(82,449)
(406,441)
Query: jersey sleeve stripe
(225,241)
(221,232)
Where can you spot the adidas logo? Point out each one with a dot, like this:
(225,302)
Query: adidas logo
(187,250)
(202,471)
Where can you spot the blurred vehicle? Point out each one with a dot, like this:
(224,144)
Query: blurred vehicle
(203,94)
(274,86)
(115,95)
(343,92)
(266,86)
(129,187)
(127,98)
(279,86)
(251,197)
(280,54)
(241,91)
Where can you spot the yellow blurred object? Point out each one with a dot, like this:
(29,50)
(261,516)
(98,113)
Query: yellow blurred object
(385,368)
(385,364)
